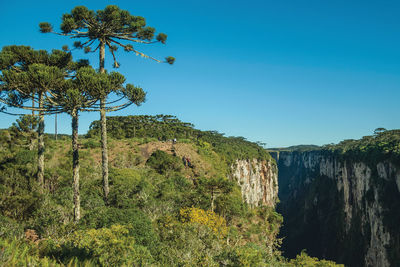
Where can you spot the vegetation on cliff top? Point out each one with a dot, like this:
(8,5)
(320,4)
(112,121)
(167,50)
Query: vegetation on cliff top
(159,211)
(384,144)
(167,127)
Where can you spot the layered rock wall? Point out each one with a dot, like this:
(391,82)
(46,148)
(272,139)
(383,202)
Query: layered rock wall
(258,180)
(340,208)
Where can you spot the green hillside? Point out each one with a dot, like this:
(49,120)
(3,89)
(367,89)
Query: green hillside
(158,212)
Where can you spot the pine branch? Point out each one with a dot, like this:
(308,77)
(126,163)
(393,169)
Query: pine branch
(129,48)
(123,37)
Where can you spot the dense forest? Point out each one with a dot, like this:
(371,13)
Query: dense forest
(168,127)
(382,145)
(155,214)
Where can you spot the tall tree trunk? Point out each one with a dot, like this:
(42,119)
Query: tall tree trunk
(32,135)
(55,126)
(75,165)
(40,175)
(104,149)
(212,200)
(33,112)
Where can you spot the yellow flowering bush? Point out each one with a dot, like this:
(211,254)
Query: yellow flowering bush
(207,218)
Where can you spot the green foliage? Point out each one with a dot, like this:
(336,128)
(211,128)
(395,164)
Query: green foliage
(137,221)
(230,205)
(50,218)
(91,143)
(112,246)
(34,73)
(19,195)
(167,127)
(384,144)
(301,148)
(162,162)
(128,188)
(10,228)
(19,253)
(210,189)
(186,244)
(304,260)
(24,131)
(248,255)
(146,221)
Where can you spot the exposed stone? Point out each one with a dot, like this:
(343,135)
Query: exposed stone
(354,182)
(381,168)
(258,181)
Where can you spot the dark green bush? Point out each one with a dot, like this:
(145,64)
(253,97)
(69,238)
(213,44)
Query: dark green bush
(139,224)
(162,162)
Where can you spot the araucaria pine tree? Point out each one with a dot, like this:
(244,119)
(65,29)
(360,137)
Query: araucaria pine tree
(26,75)
(80,93)
(111,28)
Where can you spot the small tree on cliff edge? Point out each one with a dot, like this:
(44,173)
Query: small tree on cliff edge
(111,27)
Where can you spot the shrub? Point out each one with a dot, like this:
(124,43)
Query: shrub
(91,143)
(138,223)
(10,228)
(163,162)
(112,246)
(231,204)
(207,218)
(19,253)
(248,255)
(186,244)
(306,261)
(128,188)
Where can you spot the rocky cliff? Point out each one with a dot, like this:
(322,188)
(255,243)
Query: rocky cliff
(258,180)
(339,207)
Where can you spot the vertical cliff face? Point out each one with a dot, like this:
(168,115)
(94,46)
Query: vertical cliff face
(340,208)
(258,180)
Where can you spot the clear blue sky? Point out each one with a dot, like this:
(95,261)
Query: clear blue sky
(280,72)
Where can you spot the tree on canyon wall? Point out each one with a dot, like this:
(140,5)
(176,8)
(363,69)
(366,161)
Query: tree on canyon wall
(111,28)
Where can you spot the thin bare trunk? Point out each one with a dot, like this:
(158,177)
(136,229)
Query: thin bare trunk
(212,200)
(32,136)
(33,112)
(104,149)
(75,165)
(55,126)
(41,143)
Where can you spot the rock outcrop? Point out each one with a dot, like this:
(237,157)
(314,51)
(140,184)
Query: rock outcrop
(258,180)
(340,208)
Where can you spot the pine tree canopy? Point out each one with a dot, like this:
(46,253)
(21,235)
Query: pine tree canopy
(86,87)
(63,83)
(27,73)
(112,26)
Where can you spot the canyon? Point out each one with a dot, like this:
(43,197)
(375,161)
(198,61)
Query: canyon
(340,207)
